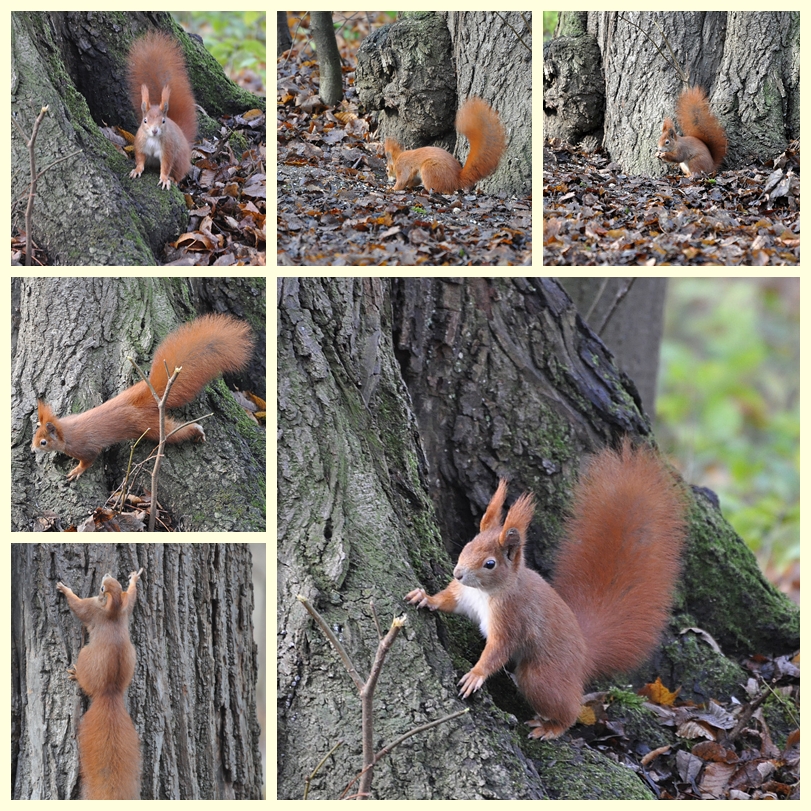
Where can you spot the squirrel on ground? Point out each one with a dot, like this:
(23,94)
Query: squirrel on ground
(156,69)
(615,572)
(205,348)
(109,749)
(704,143)
(437,169)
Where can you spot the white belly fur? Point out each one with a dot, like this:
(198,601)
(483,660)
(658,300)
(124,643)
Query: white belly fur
(475,603)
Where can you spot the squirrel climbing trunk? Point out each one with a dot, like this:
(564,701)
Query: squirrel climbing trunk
(109,749)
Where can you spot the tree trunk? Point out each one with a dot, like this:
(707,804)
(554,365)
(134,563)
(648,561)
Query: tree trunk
(71,344)
(628,315)
(193,697)
(730,54)
(283,38)
(393,389)
(87,211)
(419,70)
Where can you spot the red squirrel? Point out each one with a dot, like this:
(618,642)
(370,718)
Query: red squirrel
(205,348)
(437,169)
(615,571)
(704,143)
(109,749)
(156,69)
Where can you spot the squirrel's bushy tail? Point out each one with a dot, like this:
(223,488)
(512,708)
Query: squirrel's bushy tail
(480,124)
(205,348)
(109,751)
(619,561)
(696,119)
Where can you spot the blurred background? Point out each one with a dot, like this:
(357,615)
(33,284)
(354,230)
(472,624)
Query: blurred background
(728,407)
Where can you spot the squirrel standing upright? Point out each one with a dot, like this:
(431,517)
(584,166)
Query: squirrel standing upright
(437,169)
(156,70)
(615,573)
(704,143)
(205,348)
(109,749)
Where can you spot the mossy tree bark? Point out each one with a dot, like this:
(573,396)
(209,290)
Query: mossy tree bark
(87,210)
(400,404)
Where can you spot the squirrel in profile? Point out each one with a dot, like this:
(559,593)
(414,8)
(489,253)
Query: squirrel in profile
(156,70)
(615,573)
(437,169)
(205,348)
(109,749)
(704,143)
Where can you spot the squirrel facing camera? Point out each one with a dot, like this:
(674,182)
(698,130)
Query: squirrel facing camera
(156,70)
(704,143)
(610,599)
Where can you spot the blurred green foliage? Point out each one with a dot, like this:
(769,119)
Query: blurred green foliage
(550,20)
(729,402)
(236,39)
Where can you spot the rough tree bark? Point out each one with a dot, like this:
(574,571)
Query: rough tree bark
(747,61)
(71,343)
(400,404)
(88,212)
(193,697)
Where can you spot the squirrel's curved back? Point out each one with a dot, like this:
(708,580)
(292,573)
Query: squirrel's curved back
(156,60)
(620,558)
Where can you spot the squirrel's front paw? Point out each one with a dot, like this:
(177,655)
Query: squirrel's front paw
(419,598)
(66,590)
(469,683)
(72,672)
(136,575)
(76,472)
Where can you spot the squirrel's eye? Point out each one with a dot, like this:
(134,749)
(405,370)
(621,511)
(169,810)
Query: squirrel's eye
(490,564)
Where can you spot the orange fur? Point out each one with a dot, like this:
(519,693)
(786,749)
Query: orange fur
(437,169)
(205,348)
(704,143)
(615,574)
(109,749)
(156,69)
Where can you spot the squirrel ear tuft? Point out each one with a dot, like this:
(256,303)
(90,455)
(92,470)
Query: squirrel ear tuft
(520,514)
(492,516)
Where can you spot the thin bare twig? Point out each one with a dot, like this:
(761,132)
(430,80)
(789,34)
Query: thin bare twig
(621,294)
(333,640)
(314,772)
(367,693)
(411,732)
